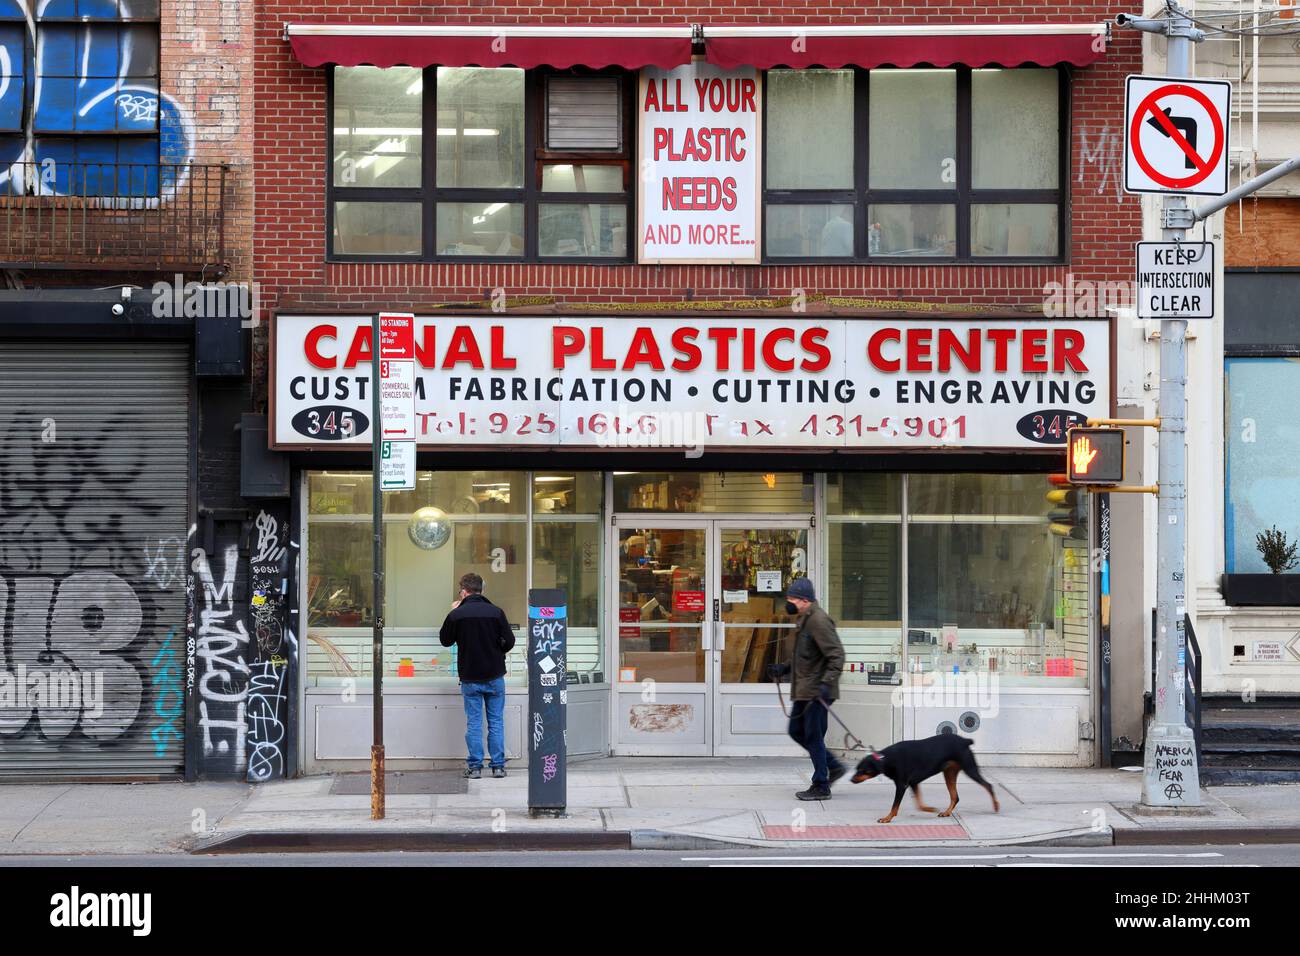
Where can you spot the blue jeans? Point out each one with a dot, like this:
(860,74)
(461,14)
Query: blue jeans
(808,721)
(489,695)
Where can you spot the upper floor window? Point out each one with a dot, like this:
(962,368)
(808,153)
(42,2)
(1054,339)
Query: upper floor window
(79,103)
(454,163)
(951,164)
(481,163)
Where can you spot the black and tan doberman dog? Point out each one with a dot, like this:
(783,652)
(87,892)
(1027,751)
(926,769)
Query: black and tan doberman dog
(908,762)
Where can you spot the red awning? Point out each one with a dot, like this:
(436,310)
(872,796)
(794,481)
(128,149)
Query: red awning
(631,47)
(972,45)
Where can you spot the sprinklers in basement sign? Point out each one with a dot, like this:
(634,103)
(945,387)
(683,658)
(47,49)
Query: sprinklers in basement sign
(699,195)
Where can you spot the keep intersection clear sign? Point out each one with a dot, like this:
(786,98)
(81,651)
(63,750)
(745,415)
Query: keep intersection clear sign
(1175,280)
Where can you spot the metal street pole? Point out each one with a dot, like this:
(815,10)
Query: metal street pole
(1171,775)
(377,613)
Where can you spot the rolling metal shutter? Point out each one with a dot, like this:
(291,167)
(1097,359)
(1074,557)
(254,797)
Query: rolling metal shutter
(93,522)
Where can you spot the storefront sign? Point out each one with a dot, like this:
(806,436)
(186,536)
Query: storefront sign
(696,384)
(699,191)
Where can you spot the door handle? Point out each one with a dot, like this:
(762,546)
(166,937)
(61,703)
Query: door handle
(722,637)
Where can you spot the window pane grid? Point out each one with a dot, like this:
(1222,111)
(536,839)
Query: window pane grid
(488,190)
(915,194)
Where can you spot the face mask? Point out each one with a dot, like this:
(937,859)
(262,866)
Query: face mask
(790,608)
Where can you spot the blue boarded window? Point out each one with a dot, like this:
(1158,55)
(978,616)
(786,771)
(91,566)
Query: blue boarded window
(79,102)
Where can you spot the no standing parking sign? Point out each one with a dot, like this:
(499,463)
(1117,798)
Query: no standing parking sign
(1176,135)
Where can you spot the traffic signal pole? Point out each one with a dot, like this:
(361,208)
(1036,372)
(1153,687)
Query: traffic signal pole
(1171,774)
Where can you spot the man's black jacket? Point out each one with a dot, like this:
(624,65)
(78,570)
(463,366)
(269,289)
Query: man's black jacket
(479,628)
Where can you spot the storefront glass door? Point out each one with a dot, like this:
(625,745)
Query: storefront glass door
(756,561)
(700,617)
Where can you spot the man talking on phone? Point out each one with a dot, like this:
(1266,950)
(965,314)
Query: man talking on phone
(482,636)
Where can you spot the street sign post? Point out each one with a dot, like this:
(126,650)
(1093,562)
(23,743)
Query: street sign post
(1175,280)
(1176,135)
(392,468)
(1176,142)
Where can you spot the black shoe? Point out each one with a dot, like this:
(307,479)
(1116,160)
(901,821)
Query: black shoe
(815,792)
(474,773)
(836,772)
(498,771)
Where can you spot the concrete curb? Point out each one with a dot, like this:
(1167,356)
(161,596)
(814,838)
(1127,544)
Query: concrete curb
(409,841)
(671,840)
(426,841)
(1205,836)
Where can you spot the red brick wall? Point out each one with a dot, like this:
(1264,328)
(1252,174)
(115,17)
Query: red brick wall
(290,128)
(206,60)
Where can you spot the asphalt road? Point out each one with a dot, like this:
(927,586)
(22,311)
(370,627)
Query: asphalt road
(1153,856)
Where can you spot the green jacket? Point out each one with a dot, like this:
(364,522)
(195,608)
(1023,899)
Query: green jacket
(818,656)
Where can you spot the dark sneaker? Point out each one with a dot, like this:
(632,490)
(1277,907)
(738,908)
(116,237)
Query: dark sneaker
(498,771)
(474,773)
(814,793)
(836,772)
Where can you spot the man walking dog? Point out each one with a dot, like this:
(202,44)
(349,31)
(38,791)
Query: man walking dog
(814,672)
(482,637)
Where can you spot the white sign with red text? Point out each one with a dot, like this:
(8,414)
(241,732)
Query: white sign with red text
(698,382)
(699,166)
(397,376)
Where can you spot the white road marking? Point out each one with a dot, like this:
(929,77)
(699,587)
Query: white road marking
(947,856)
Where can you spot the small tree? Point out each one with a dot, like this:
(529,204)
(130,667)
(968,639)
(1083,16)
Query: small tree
(1278,555)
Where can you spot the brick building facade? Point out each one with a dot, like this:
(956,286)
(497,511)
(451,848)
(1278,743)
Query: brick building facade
(906,277)
(128,152)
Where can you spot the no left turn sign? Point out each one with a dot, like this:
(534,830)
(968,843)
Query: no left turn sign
(1176,135)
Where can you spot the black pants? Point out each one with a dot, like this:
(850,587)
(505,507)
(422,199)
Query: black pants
(808,720)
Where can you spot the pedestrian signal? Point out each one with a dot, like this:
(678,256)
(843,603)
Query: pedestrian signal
(1095,456)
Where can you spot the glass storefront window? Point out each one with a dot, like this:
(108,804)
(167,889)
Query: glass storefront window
(998,578)
(662,577)
(863,590)
(713,492)
(452,523)
(568,493)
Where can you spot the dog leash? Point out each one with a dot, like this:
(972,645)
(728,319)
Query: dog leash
(852,741)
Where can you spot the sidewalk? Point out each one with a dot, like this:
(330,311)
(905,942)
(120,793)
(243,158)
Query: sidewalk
(653,803)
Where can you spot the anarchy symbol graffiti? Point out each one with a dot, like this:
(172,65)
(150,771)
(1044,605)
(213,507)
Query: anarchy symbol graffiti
(1174,791)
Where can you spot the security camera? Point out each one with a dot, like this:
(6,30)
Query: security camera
(119,308)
